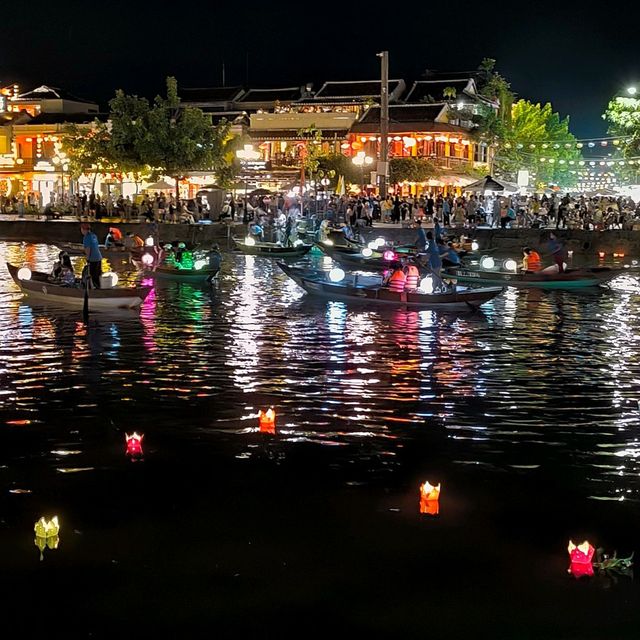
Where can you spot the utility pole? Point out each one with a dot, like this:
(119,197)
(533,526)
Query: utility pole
(383,164)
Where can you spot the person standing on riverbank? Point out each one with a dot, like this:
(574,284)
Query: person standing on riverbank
(92,253)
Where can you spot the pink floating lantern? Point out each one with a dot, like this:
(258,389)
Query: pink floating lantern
(134,444)
(267,421)
(389,255)
(430,499)
(581,556)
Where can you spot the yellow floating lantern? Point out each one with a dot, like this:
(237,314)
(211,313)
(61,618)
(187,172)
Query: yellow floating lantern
(47,534)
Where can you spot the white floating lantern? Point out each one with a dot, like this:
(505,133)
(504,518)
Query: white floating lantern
(149,241)
(367,252)
(475,246)
(380,242)
(336,275)
(373,245)
(24,273)
(147,259)
(487,262)
(249,241)
(199,264)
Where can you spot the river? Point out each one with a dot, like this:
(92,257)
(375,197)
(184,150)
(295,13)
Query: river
(526,412)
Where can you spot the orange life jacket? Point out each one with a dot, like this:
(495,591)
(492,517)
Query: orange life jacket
(138,241)
(413,276)
(397,280)
(116,233)
(533,261)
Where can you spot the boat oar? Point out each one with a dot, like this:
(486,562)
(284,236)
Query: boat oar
(85,306)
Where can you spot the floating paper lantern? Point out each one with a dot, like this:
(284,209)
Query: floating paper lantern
(149,242)
(429,498)
(336,275)
(581,556)
(367,252)
(147,259)
(199,264)
(24,273)
(267,421)
(380,242)
(249,241)
(47,528)
(474,246)
(601,255)
(372,245)
(134,444)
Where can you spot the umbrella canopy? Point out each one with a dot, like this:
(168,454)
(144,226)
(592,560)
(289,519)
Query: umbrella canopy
(600,192)
(260,192)
(489,183)
(161,185)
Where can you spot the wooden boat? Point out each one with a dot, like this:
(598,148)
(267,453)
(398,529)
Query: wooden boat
(39,287)
(358,289)
(352,257)
(570,279)
(166,272)
(271,249)
(113,253)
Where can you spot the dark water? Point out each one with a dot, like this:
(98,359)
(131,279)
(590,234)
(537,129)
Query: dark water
(527,413)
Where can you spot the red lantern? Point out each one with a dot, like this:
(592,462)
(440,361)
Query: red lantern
(430,499)
(134,444)
(267,421)
(601,255)
(581,559)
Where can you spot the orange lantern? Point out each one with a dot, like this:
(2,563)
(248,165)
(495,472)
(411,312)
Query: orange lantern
(581,556)
(430,498)
(267,421)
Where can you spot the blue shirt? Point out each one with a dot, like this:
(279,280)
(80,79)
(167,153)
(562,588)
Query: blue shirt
(452,256)
(90,242)
(421,242)
(437,230)
(435,262)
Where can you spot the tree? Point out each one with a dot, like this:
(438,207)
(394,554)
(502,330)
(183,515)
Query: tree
(623,115)
(411,170)
(177,139)
(537,139)
(335,165)
(493,86)
(88,149)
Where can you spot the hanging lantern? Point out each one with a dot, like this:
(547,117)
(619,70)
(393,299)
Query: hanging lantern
(581,559)
(429,499)
(134,444)
(267,421)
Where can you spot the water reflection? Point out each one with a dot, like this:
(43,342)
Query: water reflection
(538,380)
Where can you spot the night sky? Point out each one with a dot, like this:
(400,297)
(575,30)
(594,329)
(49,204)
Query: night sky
(563,52)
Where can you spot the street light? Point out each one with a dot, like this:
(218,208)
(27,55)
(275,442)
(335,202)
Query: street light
(61,159)
(361,159)
(246,155)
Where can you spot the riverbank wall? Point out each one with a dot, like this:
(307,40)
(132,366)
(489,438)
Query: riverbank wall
(508,241)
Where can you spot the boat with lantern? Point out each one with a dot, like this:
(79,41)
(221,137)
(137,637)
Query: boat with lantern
(251,247)
(492,272)
(369,289)
(198,270)
(115,253)
(37,285)
(363,257)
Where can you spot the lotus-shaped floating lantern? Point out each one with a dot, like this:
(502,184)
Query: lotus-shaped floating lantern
(47,534)
(581,556)
(134,444)
(267,421)
(430,498)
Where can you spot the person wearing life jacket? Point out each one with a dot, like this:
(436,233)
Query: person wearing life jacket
(531,260)
(413,276)
(117,234)
(397,279)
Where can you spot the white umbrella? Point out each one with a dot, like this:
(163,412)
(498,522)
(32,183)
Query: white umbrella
(161,185)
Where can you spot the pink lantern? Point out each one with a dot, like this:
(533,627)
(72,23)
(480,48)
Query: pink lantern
(581,556)
(389,255)
(134,444)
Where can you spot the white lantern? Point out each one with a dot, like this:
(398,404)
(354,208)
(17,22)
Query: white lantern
(380,242)
(24,273)
(249,241)
(367,252)
(108,280)
(373,245)
(147,259)
(510,265)
(328,242)
(149,241)
(475,246)
(297,242)
(487,262)
(199,264)
(426,285)
(336,275)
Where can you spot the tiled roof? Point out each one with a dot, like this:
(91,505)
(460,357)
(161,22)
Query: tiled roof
(405,118)
(422,89)
(44,92)
(354,89)
(286,94)
(67,118)
(210,94)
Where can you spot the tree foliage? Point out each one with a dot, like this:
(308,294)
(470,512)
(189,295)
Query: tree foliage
(335,165)
(538,139)
(88,149)
(411,170)
(623,116)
